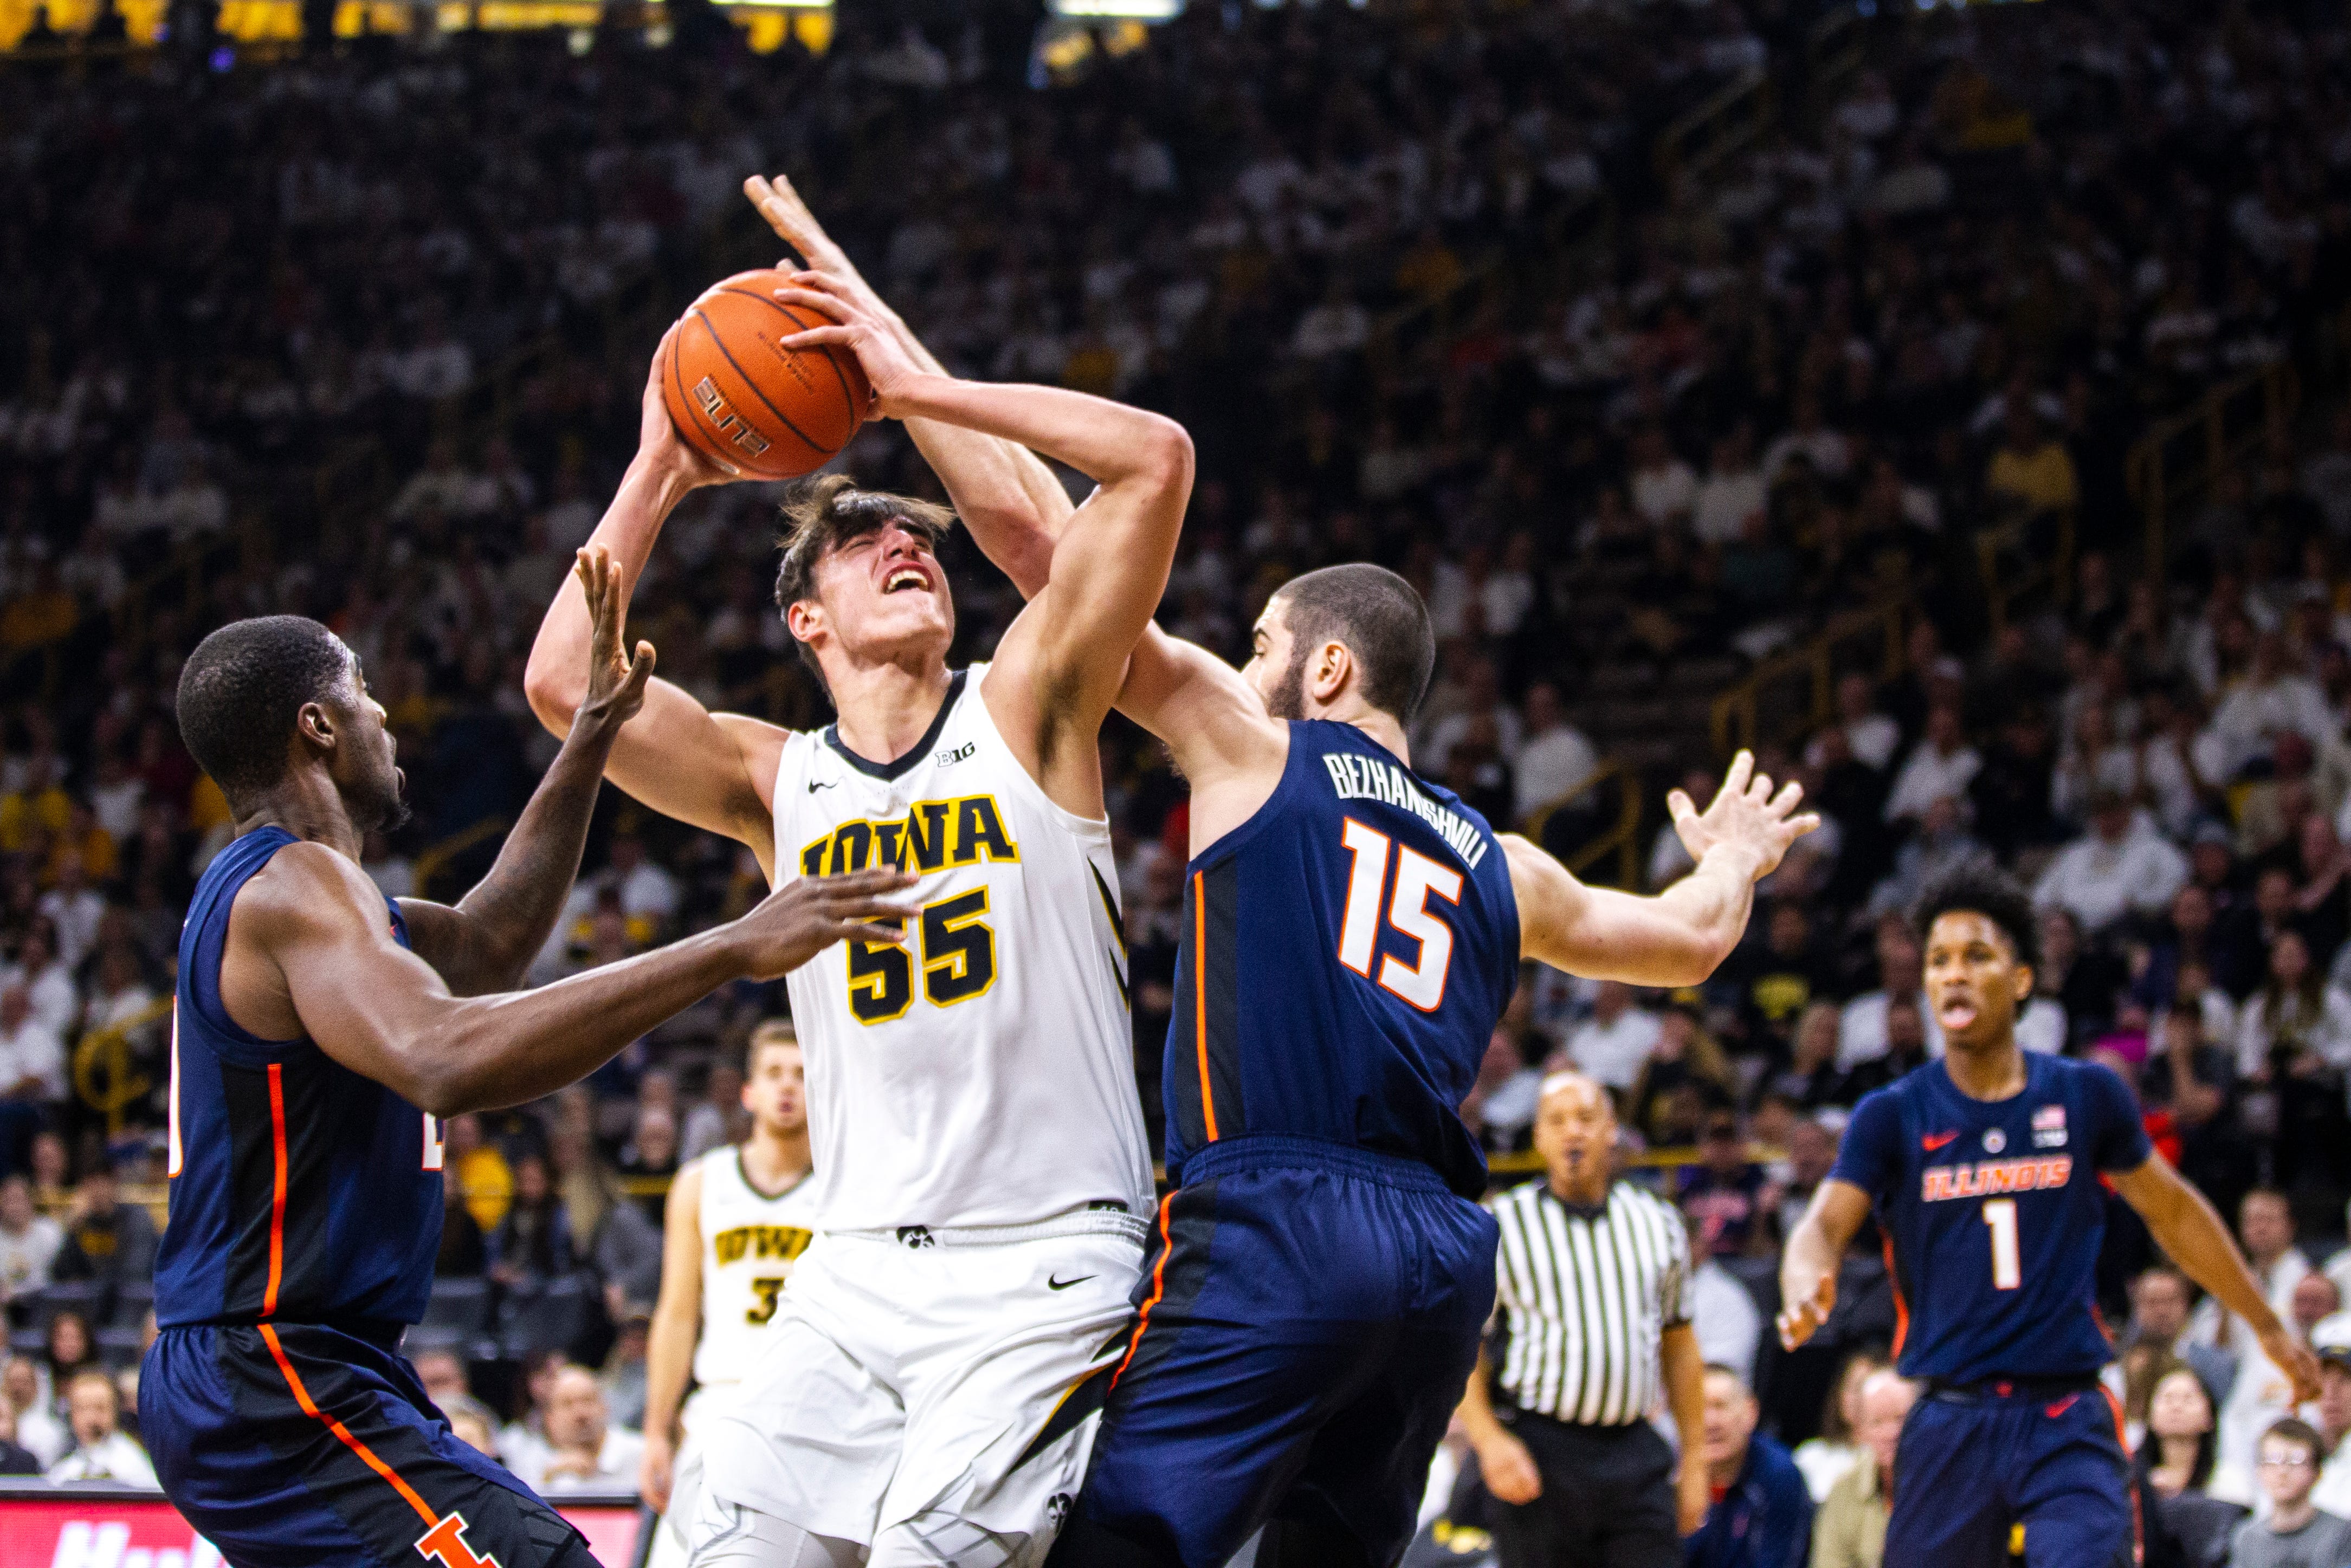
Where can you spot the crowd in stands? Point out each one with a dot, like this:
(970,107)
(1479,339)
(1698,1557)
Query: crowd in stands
(1423,297)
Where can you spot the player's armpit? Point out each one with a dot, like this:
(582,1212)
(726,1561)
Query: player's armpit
(1211,718)
(713,771)
(1599,933)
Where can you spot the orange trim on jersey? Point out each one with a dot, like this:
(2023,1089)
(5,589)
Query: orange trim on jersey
(367,1454)
(2138,1515)
(1158,1288)
(1901,1307)
(276,1190)
(1200,995)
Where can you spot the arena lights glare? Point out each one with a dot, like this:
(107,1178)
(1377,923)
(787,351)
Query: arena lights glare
(1120,10)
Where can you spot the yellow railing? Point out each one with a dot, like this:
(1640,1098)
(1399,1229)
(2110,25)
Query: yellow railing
(1732,118)
(2012,541)
(102,1073)
(1621,838)
(1739,713)
(2180,457)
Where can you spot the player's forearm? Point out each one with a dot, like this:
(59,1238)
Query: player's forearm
(669,1355)
(488,1052)
(1110,443)
(2187,1227)
(1684,1365)
(507,916)
(1476,1409)
(1712,903)
(556,679)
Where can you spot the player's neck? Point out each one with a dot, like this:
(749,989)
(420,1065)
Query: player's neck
(886,709)
(308,805)
(1379,725)
(1989,1072)
(774,1160)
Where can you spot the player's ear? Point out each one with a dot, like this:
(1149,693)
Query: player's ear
(802,618)
(1333,663)
(2024,982)
(315,726)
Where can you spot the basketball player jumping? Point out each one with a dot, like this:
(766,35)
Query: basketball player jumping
(736,1221)
(1352,934)
(321,1031)
(981,1171)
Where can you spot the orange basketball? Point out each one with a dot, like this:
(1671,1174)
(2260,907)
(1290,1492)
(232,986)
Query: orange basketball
(743,398)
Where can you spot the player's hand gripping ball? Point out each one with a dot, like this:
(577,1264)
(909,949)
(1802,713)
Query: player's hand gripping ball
(741,398)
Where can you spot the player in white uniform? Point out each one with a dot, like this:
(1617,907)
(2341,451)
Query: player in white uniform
(927,1390)
(737,1219)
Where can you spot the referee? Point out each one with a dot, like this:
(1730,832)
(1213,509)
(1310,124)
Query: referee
(1592,1316)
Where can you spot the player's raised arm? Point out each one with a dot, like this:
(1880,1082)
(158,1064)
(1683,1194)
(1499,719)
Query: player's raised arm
(1063,657)
(669,1348)
(1017,511)
(2184,1225)
(309,952)
(486,942)
(1679,936)
(713,769)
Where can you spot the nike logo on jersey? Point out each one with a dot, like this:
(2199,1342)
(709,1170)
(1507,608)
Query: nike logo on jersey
(1934,1141)
(1057,1285)
(814,786)
(2060,1407)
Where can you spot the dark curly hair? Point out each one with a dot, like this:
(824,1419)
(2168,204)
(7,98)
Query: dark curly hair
(1995,895)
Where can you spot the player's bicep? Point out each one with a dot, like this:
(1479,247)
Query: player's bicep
(1109,573)
(699,767)
(363,999)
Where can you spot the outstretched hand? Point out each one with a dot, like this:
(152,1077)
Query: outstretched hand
(1745,814)
(854,324)
(616,682)
(1801,1318)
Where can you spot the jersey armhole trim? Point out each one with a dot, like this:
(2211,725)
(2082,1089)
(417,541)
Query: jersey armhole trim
(1238,837)
(1093,829)
(213,1013)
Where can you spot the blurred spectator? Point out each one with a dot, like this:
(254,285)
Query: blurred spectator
(2122,868)
(1942,765)
(2157,1336)
(463,1254)
(523,1442)
(441,1373)
(1685,1075)
(2332,1416)
(533,1242)
(16,1460)
(1850,1530)
(32,1074)
(479,1169)
(1729,1324)
(715,1119)
(2295,1532)
(106,1238)
(101,1451)
(1763,1517)
(1555,756)
(1726,1195)
(30,1240)
(473,1423)
(2265,1230)
(24,1388)
(1837,1447)
(48,988)
(2191,1503)
(585,1452)
(1612,1044)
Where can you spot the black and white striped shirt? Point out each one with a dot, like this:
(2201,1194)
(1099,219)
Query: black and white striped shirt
(1585,1295)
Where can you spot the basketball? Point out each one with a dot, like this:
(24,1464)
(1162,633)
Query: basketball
(742,399)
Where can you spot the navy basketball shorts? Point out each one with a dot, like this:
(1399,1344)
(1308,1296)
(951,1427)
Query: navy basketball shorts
(298,1445)
(1976,1464)
(1307,1322)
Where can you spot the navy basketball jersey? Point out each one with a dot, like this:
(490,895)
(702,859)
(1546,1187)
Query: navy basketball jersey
(1345,954)
(300,1190)
(1993,1212)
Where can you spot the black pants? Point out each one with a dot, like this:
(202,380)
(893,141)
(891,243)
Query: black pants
(1607,1499)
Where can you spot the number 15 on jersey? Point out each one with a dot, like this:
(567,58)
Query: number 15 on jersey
(1418,880)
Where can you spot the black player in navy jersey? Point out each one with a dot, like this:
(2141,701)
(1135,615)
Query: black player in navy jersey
(1984,1170)
(1351,932)
(320,1031)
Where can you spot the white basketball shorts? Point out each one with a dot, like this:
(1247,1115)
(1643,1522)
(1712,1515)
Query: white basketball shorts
(932,1394)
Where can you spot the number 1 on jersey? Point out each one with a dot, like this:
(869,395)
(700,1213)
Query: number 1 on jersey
(1417,877)
(1999,1213)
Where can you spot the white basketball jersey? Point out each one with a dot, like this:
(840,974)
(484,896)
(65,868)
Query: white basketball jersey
(984,1073)
(749,1243)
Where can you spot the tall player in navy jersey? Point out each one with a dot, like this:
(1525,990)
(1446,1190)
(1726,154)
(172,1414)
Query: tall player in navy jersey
(1984,1169)
(1352,933)
(320,1031)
